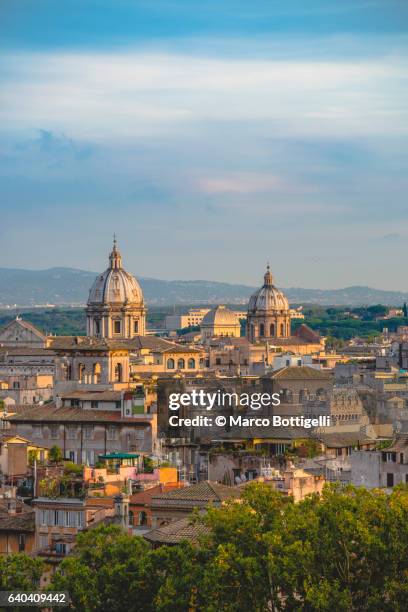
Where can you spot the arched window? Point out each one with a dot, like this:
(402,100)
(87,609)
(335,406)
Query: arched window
(131,517)
(81,371)
(181,364)
(286,396)
(272,329)
(142,518)
(97,327)
(191,364)
(135,327)
(303,395)
(282,329)
(262,329)
(170,364)
(118,372)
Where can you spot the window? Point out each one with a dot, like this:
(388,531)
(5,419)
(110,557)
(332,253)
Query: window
(97,373)
(262,329)
(272,329)
(170,364)
(37,431)
(43,517)
(181,364)
(135,327)
(54,431)
(60,548)
(16,385)
(43,541)
(118,372)
(282,330)
(97,327)
(112,433)
(81,371)
(75,403)
(88,432)
(21,542)
(72,432)
(390,480)
(191,364)
(94,403)
(59,518)
(116,327)
(218,361)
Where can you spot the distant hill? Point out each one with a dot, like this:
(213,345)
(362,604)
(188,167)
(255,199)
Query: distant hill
(69,286)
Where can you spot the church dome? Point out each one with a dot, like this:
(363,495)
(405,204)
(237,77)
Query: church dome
(220,315)
(268,298)
(220,322)
(115,285)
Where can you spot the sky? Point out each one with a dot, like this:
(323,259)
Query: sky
(211,136)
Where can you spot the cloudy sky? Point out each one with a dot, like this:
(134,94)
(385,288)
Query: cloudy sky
(210,135)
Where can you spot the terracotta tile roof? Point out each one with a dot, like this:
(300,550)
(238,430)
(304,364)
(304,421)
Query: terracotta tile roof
(29,351)
(50,413)
(144,497)
(399,444)
(342,440)
(23,520)
(178,531)
(204,491)
(112,396)
(300,373)
(86,343)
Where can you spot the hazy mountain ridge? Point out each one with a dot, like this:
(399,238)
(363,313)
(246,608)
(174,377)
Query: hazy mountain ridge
(65,286)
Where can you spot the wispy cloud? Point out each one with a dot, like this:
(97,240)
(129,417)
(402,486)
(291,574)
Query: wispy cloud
(132,93)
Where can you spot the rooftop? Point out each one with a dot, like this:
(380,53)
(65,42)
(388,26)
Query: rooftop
(50,413)
(178,531)
(205,491)
(23,520)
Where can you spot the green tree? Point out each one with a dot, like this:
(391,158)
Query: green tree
(108,570)
(55,454)
(20,572)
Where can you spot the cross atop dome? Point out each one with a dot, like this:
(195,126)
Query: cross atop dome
(115,258)
(268,278)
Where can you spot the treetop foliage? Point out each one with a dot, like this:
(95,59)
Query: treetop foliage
(347,549)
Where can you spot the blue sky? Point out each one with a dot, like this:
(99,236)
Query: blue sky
(211,136)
